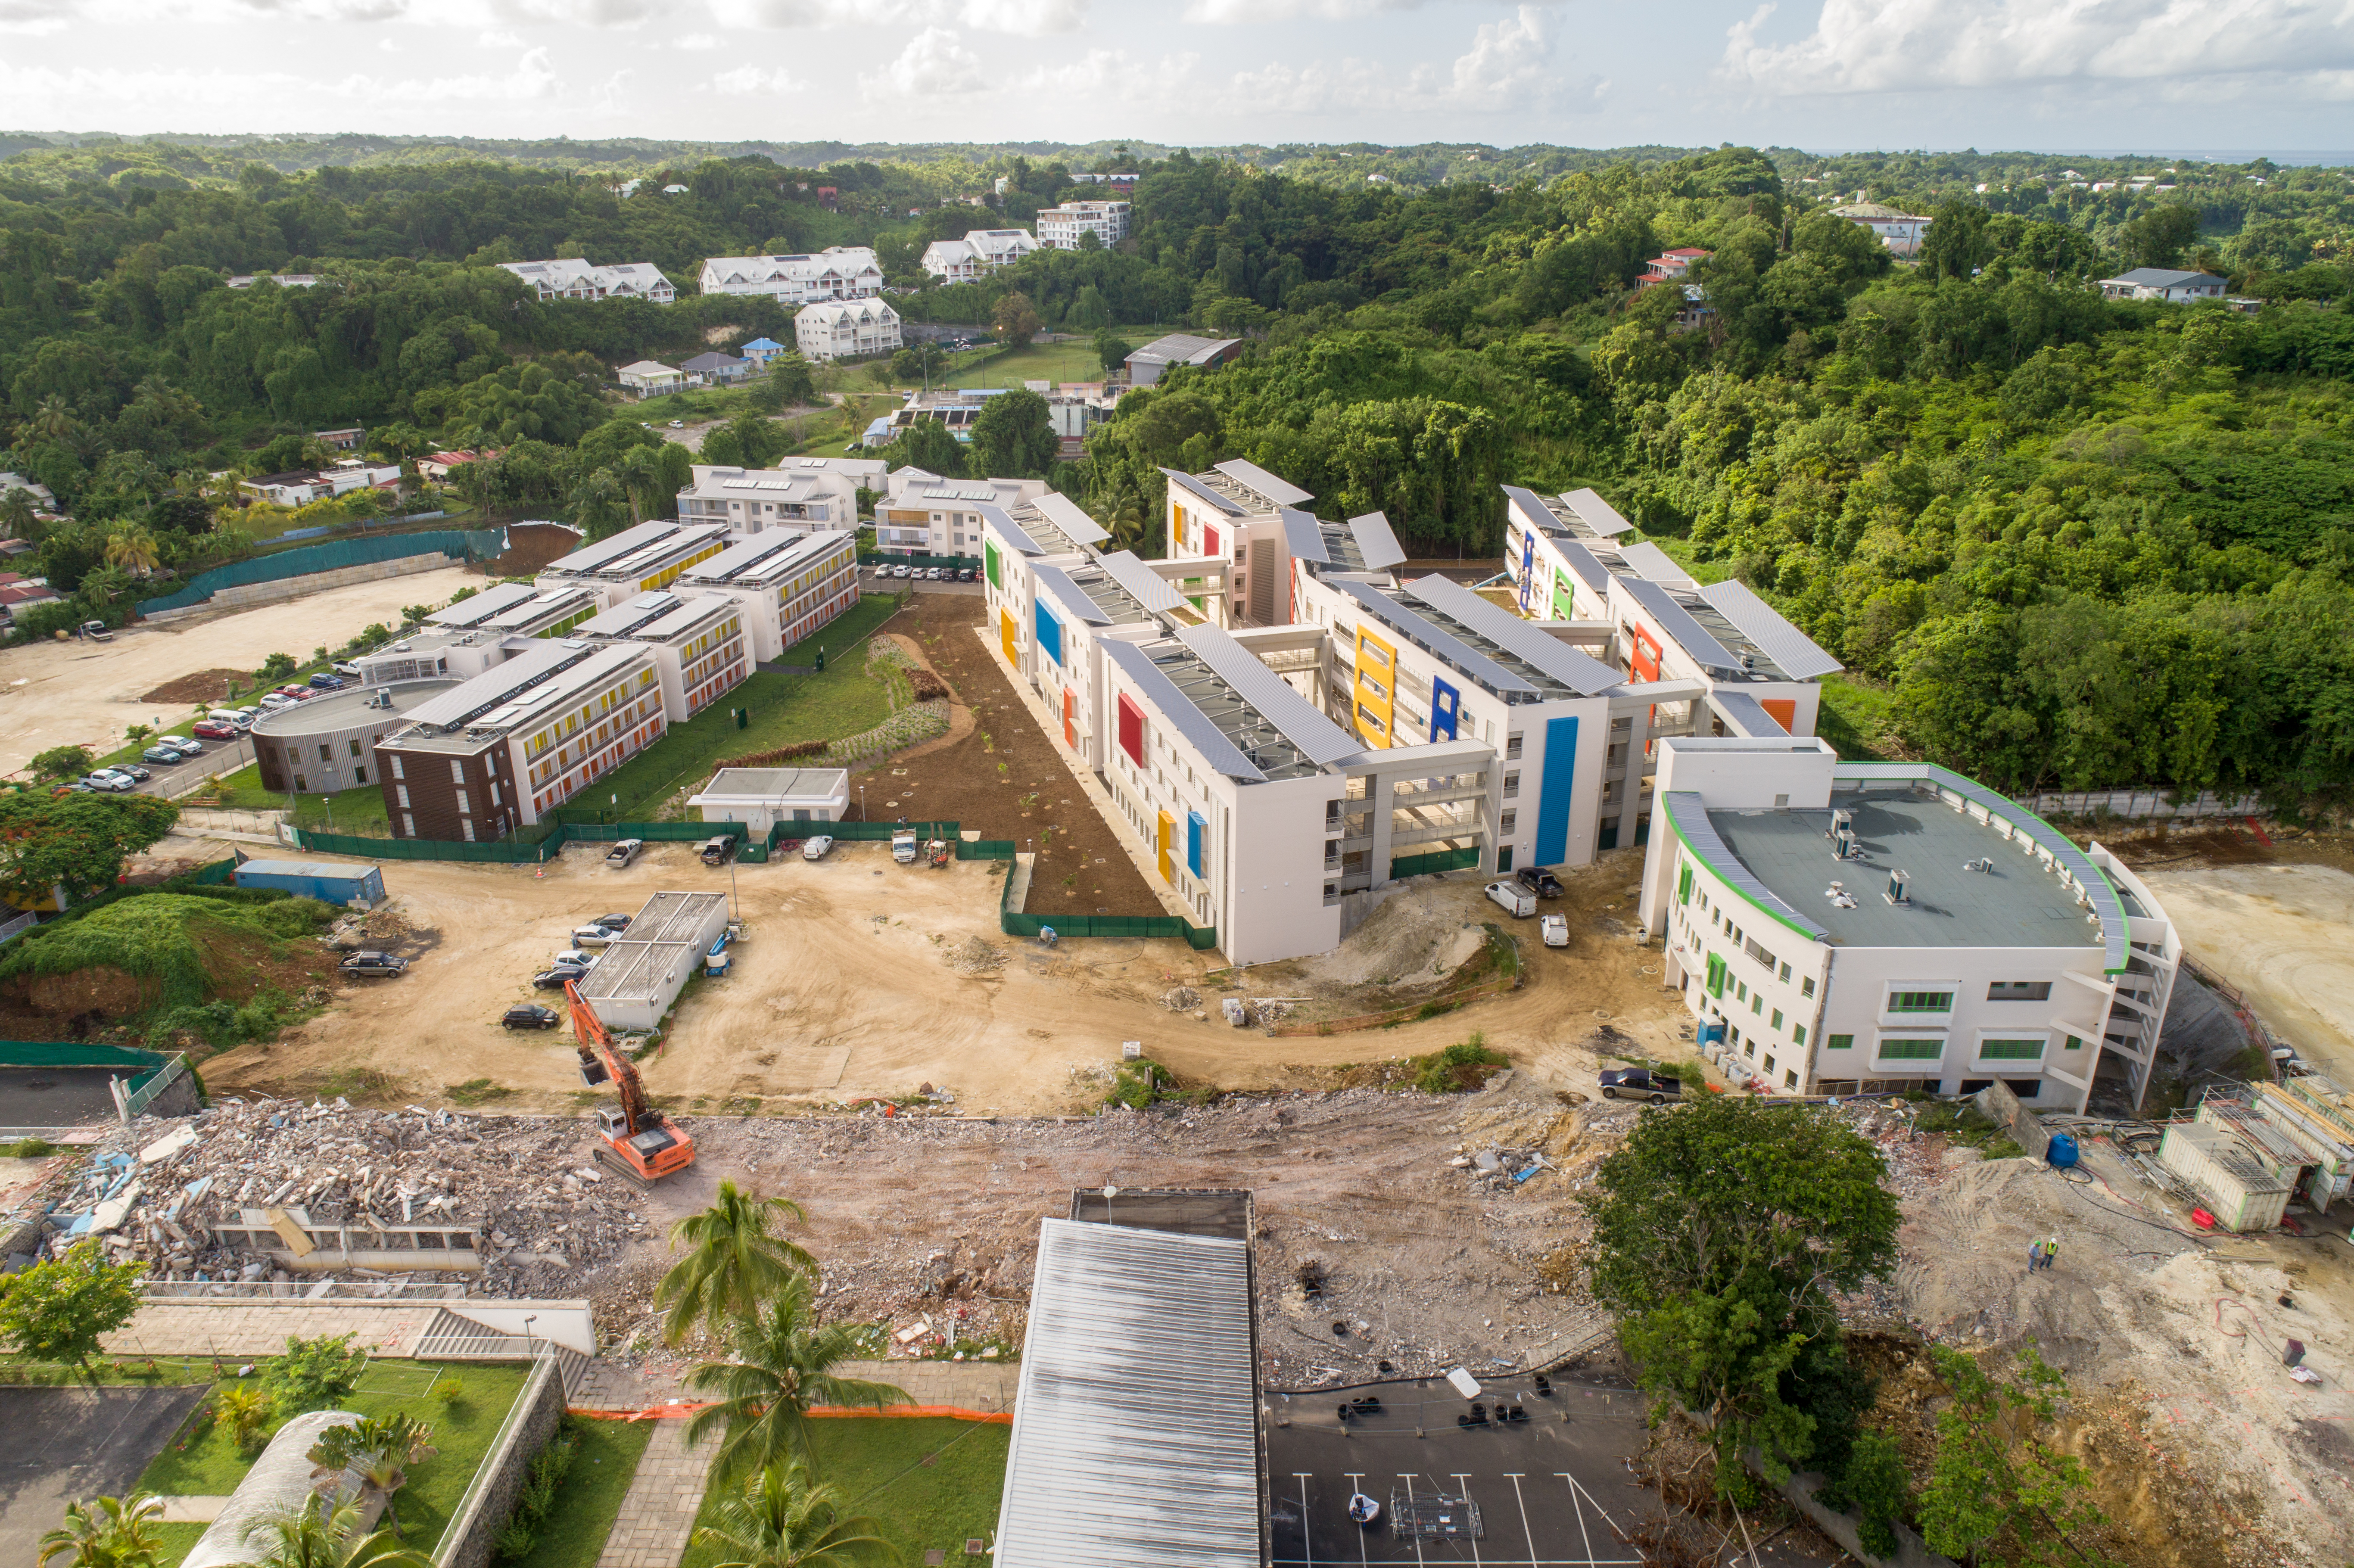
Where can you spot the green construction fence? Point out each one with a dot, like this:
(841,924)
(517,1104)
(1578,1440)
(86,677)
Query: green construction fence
(459,544)
(520,850)
(1443,860)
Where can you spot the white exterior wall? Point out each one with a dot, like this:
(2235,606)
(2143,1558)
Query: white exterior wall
(837,273)
(587,737)
(1061,226)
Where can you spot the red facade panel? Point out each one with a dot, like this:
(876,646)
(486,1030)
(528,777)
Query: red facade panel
(1131,729)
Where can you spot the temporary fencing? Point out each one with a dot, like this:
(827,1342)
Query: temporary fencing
(458,543)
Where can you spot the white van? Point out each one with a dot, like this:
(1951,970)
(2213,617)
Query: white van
(1511,896)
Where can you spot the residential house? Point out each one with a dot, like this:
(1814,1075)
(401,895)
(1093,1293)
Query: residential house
(807,495)
(846,329)
(44,500)
(837,273)
(20,592)
(651,378)
(1669,265)
(347,439)
(1061,226)
(436,466)
(284,279)
(981,251)
(716,370)
(300,487)
(761,350)
(1148,364)
(1900,231)
(574,279)
(2176,288)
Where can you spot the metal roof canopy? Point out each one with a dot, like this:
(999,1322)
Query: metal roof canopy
(1226,505)
(1143,584)
(594,557)
(1596,512)
(1794,653)
(1375,542)
(1656,564)
(1586,563)
(1219,754)
(505,683)
(993,516)
(1580,672)
(1303,537)
(1677,622)
(1069,594)
(1136,1432)
(483,605)
(1282,492)
(1435,639)
(764,552)
(1317,737)
(1065,513)
(1744,713)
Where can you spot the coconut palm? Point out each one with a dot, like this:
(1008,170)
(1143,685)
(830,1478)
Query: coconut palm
(381,1452)
(783,1368)
(736,1259)
(131,548)
(324,1534)
(17,509)
(106,1533)
(783,1521)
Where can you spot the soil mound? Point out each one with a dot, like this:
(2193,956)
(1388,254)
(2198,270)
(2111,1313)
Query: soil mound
(203,686)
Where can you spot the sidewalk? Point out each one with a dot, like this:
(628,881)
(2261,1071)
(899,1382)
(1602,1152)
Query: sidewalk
(261,1328)
(658,1514)
(988,1387)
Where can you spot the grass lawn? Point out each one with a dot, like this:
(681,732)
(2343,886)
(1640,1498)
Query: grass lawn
(1037,362)
(1854,718)
(208,1464)
(169,1372)
(878,1463)
(589,1501)
(359,810)
(784,709)
(175,1541)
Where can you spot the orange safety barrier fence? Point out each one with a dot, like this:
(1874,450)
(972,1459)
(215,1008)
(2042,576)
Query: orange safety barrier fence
(905,1412)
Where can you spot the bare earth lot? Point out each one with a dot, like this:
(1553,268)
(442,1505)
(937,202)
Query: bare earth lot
(2281,932)
(88,693)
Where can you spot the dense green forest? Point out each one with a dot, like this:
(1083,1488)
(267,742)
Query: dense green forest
(2060,541)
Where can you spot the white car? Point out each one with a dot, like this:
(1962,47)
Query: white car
(183,744)
(273,701)
(108,779)
(591,936)
(574,956)
(1514,897)
(816,848)
(347,670)
(1554,929)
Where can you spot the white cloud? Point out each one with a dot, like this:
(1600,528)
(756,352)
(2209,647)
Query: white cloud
(1509,67)
(747,81)
(1253,13)
(935,64)
(1895,46)
(532,77)
(1026,19)
(49,94)
(1096,72)
(694,41)
(499,38)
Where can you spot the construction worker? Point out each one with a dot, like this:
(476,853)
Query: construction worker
(2051,1252)
(2035,1256)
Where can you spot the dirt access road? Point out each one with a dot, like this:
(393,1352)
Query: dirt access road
(859,976)
(88,693)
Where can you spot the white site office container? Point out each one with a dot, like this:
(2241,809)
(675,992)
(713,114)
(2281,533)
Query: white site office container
(2231,1180)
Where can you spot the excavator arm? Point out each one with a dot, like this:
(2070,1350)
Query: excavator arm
(642,1144)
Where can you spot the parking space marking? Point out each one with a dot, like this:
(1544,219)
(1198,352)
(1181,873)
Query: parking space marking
(1463,1485)
(1408,1479)
(1307,1538)
(1354,1477)
(1527,1534)
(1578,1498)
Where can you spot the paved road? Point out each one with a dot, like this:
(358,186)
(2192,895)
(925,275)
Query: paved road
(67,1444)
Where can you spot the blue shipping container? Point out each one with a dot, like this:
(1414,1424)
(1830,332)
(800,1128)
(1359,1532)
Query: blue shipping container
(323,880)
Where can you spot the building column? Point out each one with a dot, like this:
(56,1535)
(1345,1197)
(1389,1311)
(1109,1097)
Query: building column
(1382,800)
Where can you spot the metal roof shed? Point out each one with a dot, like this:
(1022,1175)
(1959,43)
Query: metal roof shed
(1135,1430)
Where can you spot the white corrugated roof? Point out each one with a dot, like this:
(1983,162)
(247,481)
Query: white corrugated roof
(1135,1430)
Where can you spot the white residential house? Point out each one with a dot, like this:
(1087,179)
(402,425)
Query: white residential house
(981,251)
(651,378)
(923,514)
(846,329)
(1902,232)
(284,279)
(1061,226)
(574,279)
(837,273)
(808,495)
(2165,283)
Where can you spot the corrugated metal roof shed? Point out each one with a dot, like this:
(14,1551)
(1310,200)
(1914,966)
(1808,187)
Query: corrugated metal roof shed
(1136,1431)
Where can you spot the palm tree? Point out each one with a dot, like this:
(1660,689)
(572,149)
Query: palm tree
(736,1259)
(321,1535)
(53,419)
(16,513)
(133,548)
(783,1367)
(380,1450)
(106,1533)
(782,1520)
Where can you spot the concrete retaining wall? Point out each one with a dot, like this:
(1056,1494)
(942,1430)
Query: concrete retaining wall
(296,588)
(473,1535)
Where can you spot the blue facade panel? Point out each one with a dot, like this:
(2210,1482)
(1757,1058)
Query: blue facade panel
(1050,631)
(1196,830)
(1556,789)
(1443,704)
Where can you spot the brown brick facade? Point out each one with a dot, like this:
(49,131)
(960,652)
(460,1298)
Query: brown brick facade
(450,796)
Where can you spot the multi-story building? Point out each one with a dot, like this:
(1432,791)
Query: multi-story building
(980,252)
(574,279)
(1840,928)
(809,494)
(651,378)
(1061,226)
(499,751)
(636,560)
(845,329)
(701,644)
(922,513)
(837,273)
(789,584)
(328,744)
(1900,232)
(1227,521)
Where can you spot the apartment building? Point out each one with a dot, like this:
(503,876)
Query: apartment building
(788,584)
(499,751)
(574,279)
(845,329)
(980,252)
(700,642)
(1840,927)
(1061,226)
(807,495)
(635,560)
(837,273)
(922,513)
(1227,522)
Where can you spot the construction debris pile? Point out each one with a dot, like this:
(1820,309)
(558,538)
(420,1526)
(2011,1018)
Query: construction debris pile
(275,1195)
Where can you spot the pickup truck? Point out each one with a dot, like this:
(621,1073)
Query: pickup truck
(623,853)
(903,848)
(718,850)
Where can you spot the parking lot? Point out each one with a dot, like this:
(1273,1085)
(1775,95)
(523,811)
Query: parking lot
(67,1444)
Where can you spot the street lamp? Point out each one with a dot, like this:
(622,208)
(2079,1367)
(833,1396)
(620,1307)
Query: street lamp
(527,1339)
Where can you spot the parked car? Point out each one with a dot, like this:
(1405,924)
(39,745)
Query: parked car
(1640,1084)
(816,848)
(901,571)
(96,631)
(678,423)
(1554,931)
(718,850)
(324,682)
(273,701)
(74,787)
(623,853)
(347,669)
(108,782)
(573,958)
(552,980)
(529,1017)
(616,923)
(215,729)
(164,756)
(182,744)
(1539,880)
(136,772)
(968,576)
(591,936)
(1513,897)
(368,962)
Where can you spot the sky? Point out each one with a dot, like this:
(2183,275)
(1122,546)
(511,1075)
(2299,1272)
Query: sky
(2273,76)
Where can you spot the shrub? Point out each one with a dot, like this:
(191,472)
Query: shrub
(1462,1066)
(314,1374)
(247,1413)
(450,1388)
(1137,1084)
(537,1495)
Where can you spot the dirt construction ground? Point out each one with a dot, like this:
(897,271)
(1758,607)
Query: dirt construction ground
(860,977)
(88,693)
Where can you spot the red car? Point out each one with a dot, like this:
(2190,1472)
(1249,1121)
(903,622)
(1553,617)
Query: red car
(211,729)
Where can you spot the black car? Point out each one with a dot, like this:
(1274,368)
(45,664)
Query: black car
(1640,1084)
(552,980)
(1539,880)
(374,963)
(529,1018)
(612,922)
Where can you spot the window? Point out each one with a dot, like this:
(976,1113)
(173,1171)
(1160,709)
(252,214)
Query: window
(1758,1003)
(407,825)
(1512,785)
(1761,955)
(326,752)
(1741,990)
(1786,974)
(1511,749)
(1770,1064)
(2010,1049)
(1839,1043)
(2019,991)
(400,792)
(1504,824)
(1924,1050)
(1778,1018)
(1790,1079)
(2073,1045)
(458,768)
(1805,985)
(464,809)
(355,747)
(299,783)
(1799,1034)
(1921,1002)
(467,823)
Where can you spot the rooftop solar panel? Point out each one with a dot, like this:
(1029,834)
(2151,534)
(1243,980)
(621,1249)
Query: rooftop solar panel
(1065,513)
(1317,737)
(1677,622)
(1596,513)
(1581,672)
(1656,564)
(1792,649)
(1144,584)
(1303,536)
(1219,753)
(1282,492)
(1375,542)
(1436,638)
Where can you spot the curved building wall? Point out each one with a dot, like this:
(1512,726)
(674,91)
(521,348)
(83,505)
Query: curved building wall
(327,744)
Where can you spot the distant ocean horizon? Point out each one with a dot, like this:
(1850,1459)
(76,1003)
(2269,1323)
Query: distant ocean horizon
(2299,160)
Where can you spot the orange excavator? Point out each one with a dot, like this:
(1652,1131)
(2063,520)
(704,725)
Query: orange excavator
(641,1145)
